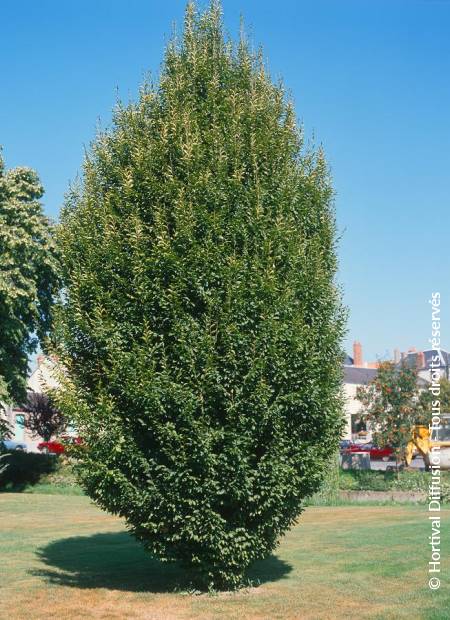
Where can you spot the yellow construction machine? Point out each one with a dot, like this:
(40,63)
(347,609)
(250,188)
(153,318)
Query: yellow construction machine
(424,442)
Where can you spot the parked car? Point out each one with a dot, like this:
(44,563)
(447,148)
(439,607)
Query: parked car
(376,453)
(58,446)
(354,447)
(11,444)
(344,444)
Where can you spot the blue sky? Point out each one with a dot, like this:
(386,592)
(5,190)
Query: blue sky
(370,80)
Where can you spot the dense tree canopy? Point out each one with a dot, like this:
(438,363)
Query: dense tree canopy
(201,323)
(444,395)
(5,429)
(28,276)
(390,403)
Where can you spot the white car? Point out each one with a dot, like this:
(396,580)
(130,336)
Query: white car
(11,444)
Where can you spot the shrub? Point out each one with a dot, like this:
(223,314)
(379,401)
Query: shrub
(406,480)
(328,493)
(201,324)
(364,480)
(24,468)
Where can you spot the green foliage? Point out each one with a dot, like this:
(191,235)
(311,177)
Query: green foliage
(363,480)
(5,428)
(63,475)
(407,480)
(201,324)
(3,464)
(25,468)
(328,493)
(38,473)
(390,404)
(61,480)
(4,394)
(28,280)
(444,395)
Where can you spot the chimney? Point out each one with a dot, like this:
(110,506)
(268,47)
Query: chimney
(420,360)
(396,356)
(357,354)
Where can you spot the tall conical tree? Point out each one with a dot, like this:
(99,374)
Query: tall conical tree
(201,325)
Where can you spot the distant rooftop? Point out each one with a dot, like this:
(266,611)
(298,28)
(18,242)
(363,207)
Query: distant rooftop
(359,376)
(412,357)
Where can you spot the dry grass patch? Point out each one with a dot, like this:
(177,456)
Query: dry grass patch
(63,558)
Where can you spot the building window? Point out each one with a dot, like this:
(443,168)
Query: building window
(358,425)
(19,426)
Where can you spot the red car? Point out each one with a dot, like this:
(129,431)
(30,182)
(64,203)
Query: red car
(376,453)
(58,446)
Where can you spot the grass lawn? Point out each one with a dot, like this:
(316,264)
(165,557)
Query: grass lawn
(61,557)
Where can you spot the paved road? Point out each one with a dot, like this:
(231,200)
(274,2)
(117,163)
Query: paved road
(417,463)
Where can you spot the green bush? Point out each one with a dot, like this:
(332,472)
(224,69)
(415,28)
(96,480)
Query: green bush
(408,480)
(61,481)
(63,475)
(25,468)
(328,493)
(445,490)
(364,480)
(201,324)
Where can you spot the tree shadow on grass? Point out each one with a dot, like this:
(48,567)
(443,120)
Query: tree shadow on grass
(114,560)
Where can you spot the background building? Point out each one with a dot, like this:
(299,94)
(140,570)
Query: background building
(41,380)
